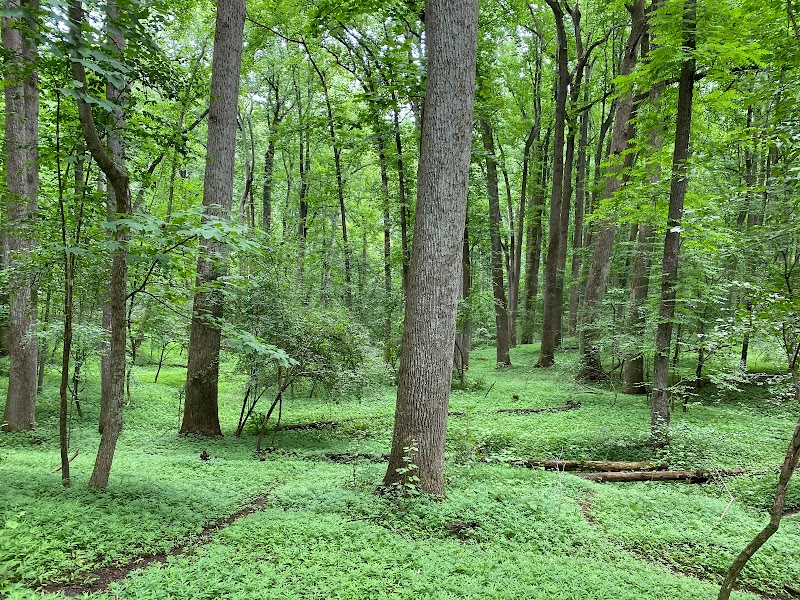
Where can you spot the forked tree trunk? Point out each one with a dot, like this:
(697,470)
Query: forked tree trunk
(110,162)
(426,365)
(201,414)
(498,283)
(660,399)
(22,181)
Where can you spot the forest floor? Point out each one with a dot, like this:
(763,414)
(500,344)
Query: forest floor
(303,520)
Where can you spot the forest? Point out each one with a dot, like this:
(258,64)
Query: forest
(419,299)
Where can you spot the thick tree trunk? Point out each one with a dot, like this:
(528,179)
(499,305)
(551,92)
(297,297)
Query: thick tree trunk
(660,399)
(201,415)
(498,283)
(621,134)
(22,182)
(435,271)
(552,306)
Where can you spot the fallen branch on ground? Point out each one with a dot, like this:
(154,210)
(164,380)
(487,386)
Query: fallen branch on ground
(591,465)
(570,405)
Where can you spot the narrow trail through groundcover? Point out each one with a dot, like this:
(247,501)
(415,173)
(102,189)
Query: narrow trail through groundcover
(100,579)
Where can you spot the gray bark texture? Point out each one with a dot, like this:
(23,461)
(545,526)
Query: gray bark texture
(22,181)
(435,270)
(201,414)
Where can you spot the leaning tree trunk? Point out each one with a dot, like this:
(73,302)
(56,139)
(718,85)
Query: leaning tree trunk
(426,365)
(201,413)
(787,470)
(551,320)
(22,182)
(498,284)
(622,133)
(660,399)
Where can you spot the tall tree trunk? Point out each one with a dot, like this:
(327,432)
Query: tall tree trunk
(580,204)
(22,181)
(498,284)
(426,365)
(269,162)
(387,248)
(660,399)
(622,133)
(201,414)
(112,164)
(533,247)
(633,362)
(552,306)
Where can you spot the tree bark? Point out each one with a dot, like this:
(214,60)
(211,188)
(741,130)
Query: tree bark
(201,414)
(580,205)
(660,399)
(552,307)
(498,284)
(435,271)
(622,133)
(463,343)
(533,247)
(22,182)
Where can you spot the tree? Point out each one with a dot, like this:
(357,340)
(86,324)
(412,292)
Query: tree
(417,455)
(660,399)
(22,180)
(201,415)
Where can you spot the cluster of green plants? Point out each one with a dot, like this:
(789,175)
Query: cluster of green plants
(501,532)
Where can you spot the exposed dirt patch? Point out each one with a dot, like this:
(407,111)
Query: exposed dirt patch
(100,579)
(585,504)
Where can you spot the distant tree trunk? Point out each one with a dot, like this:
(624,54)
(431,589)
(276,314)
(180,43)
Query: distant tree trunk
(43,350)
(552,307)
(304,167)
(269,163)
(22,182)
(633,365)
(463,343)
(533,248)
(580,204)
(387,249)
(660,399)
(622,133)
(633,362)
(402,195)
(435,271)
(201,414)
(498,284)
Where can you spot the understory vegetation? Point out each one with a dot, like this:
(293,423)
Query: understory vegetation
(322,531)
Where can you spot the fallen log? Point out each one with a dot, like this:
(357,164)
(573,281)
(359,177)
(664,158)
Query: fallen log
(591,465)
(570,405)
(614,476)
